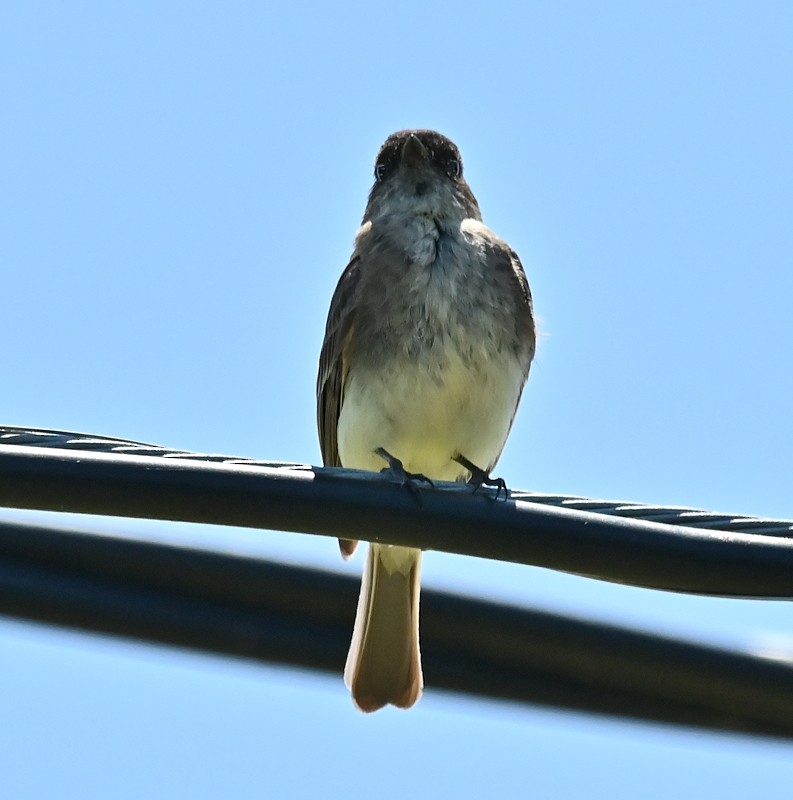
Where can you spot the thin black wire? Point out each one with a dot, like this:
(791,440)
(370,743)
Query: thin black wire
(216,601)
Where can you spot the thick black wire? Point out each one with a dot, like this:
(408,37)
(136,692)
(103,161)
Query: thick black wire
(669,515)
(220,602)
(450,518)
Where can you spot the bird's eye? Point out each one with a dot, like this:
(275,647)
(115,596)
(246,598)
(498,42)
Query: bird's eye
(379,172)
(454,168)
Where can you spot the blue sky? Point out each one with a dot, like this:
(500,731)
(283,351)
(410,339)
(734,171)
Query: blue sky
(181,186)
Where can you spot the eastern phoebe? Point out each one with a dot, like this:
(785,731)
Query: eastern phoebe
(427,348)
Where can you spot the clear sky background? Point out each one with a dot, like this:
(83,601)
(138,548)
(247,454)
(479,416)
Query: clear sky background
(180,186)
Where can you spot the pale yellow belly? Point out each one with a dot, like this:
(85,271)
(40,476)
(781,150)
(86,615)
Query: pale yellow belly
(424,421)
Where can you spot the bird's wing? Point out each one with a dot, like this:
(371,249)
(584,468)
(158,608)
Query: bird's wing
(332,367)
(507,268)
(333,372)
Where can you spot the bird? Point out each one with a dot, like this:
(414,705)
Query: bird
(427,348)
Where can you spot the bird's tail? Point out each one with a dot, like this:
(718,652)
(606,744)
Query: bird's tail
(384,662)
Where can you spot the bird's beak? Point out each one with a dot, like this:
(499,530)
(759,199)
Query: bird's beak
(413,152)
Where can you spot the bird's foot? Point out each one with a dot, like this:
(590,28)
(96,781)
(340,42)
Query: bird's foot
(408,479)
(481,478)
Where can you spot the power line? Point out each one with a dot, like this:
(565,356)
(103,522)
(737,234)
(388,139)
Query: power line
(216,601)
(98,475)
(219,602)
(670,515)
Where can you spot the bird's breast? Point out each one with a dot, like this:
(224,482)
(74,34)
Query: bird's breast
(432,370)
(440,392)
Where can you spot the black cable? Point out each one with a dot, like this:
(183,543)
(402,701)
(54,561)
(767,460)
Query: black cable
(356,504)
(219,602)
(670,515)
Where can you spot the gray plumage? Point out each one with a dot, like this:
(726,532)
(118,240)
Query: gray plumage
(428,344)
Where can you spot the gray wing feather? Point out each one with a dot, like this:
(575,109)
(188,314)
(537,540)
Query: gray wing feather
(333,372)
(332,367)
(509,268)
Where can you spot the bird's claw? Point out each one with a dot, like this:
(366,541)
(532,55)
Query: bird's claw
(407,479)
(481,478)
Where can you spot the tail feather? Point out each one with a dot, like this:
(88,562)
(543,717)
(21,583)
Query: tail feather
(384,662)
